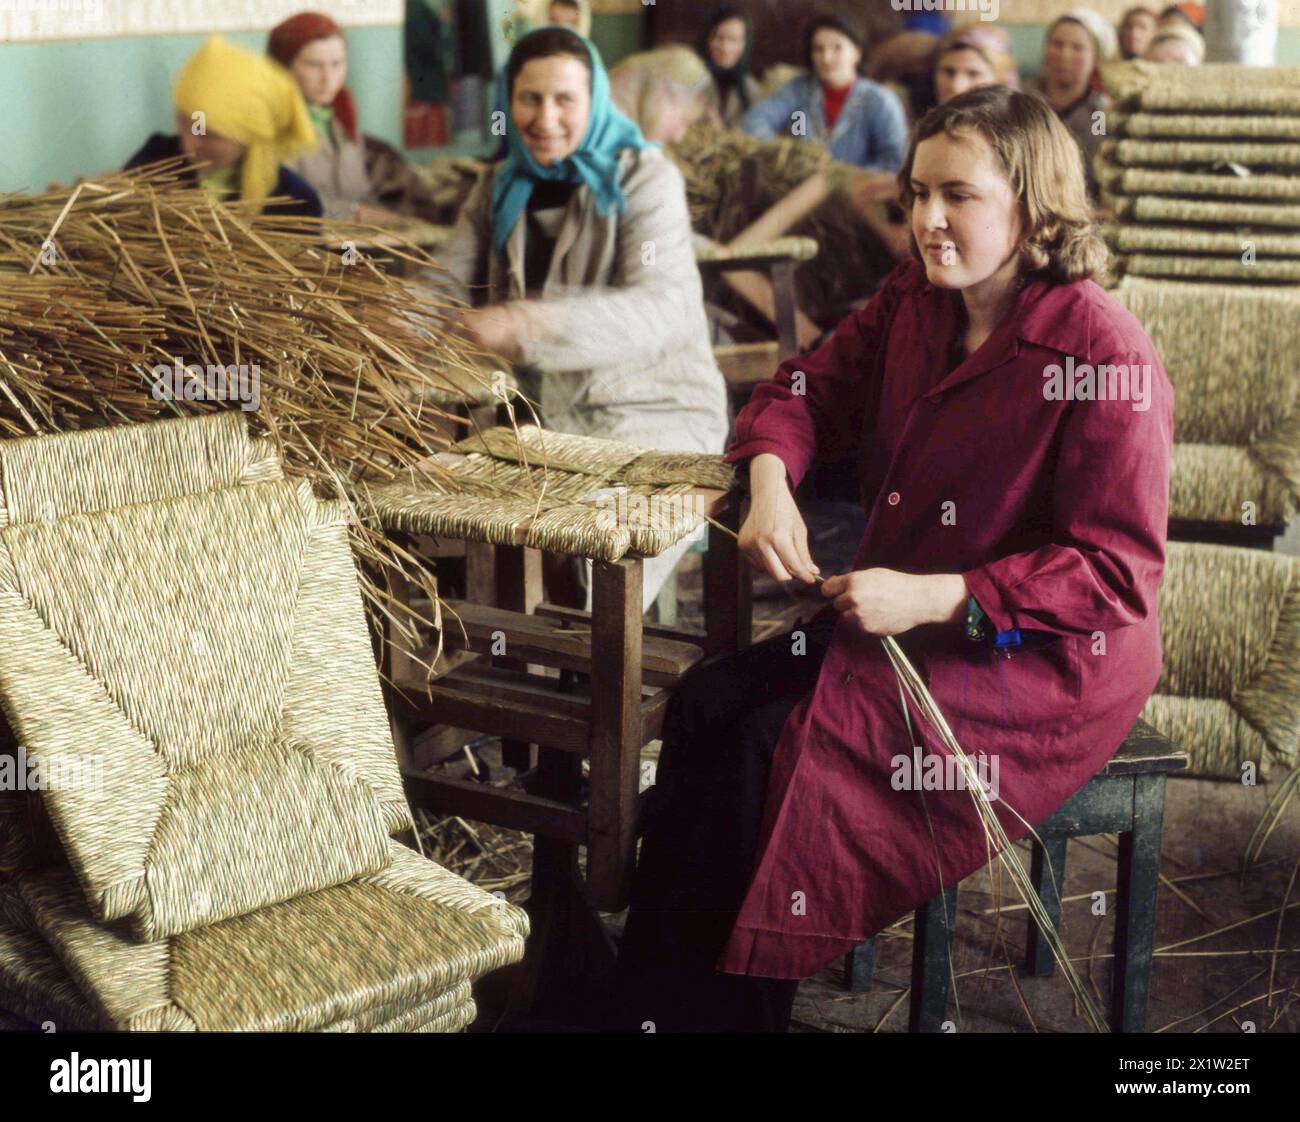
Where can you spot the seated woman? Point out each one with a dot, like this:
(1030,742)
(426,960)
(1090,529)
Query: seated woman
(860,121)
(240,116)
(1076,46)
(664,91)
(579,246)
(1135,31)
(727,46)
(782,831)
(312,48)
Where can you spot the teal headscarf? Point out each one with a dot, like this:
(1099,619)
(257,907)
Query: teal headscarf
(595,163)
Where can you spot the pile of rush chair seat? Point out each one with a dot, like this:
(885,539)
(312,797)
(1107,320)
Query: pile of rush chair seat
(189,686)
(1201,170)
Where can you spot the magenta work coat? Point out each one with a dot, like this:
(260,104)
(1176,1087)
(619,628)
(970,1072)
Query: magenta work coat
(1051,504)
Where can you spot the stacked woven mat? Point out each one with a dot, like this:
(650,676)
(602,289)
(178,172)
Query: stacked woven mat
(1202,171)
(570,494)
(185,664)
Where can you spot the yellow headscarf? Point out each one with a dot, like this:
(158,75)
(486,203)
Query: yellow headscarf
(249,99)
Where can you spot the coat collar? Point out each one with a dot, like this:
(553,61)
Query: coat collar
(1045,314)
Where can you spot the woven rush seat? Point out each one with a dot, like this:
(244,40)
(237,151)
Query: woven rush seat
(252,767)
(594,498)
(1196,126)
(1236,396)
(1220,212)
(1150,181)
(1183,153)
(1195,240)
(1229,690)
(779,249)
(1213,87)
(1211,268)
(364,952)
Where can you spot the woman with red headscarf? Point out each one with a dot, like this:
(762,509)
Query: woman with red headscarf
(353,174)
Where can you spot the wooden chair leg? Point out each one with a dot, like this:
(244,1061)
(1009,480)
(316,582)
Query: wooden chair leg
(1047,871)
(615,729)
(1135,905)
(728,584)
(783,295)
(860,967)
(518,589)
(931,955)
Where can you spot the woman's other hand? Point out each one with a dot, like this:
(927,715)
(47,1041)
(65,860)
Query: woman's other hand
(774,537)
(887,602)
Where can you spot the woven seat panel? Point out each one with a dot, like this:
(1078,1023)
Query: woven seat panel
(1226,350)
(1216,87)
(586,455)
(1197,126)
(35,985)
(1183,184)
(81,473)
(1211,268)
(1191,239)
(170,690)
(1215,736)
(1214,482)
(1230,622)
(1184,153)
(1220,212)
(403,935)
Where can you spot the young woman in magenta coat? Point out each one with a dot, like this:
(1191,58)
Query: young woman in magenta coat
(1004,486)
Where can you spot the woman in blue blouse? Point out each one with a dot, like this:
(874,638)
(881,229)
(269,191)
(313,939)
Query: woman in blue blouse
(861,122)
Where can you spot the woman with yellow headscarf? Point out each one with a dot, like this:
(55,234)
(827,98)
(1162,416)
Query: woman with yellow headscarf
(239,116)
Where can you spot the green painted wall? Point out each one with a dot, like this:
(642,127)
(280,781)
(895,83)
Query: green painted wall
(70,109)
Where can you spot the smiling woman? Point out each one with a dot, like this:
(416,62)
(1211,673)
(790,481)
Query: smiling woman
(578,248)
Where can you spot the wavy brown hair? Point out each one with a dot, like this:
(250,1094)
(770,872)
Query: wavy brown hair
(1044,165)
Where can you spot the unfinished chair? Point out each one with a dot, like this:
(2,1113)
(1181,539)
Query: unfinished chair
(182,634)
(1235,476)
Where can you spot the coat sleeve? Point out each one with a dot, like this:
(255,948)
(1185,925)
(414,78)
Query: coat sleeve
(655,301)
(889,126)
(815,405)
(771,118)
(1109,521)
(465,254)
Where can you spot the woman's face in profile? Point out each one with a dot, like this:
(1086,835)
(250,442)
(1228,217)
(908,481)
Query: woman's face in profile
(965,216)
(551,105)
(727,43)
(961,70)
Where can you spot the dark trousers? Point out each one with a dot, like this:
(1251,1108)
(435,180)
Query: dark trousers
(700,842)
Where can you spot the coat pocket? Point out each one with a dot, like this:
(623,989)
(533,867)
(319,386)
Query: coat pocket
(1029,689)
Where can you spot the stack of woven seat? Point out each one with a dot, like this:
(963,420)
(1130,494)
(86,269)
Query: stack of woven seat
(185,663)
(1228,353)
(1201,169)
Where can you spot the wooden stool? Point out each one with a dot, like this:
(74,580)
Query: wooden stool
(1126,797)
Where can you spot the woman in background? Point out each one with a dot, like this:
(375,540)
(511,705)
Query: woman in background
(1077,44)
(971,58)
(1135,32)
(727,46)
(349,171)
(240,117)
(573,14)
(860,121)
(577,247)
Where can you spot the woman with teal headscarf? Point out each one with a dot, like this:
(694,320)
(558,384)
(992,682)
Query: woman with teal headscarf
(576,249)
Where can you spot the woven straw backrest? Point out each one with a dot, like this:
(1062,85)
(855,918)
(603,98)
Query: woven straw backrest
(1230,687)
(198,667)
(1226,349)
